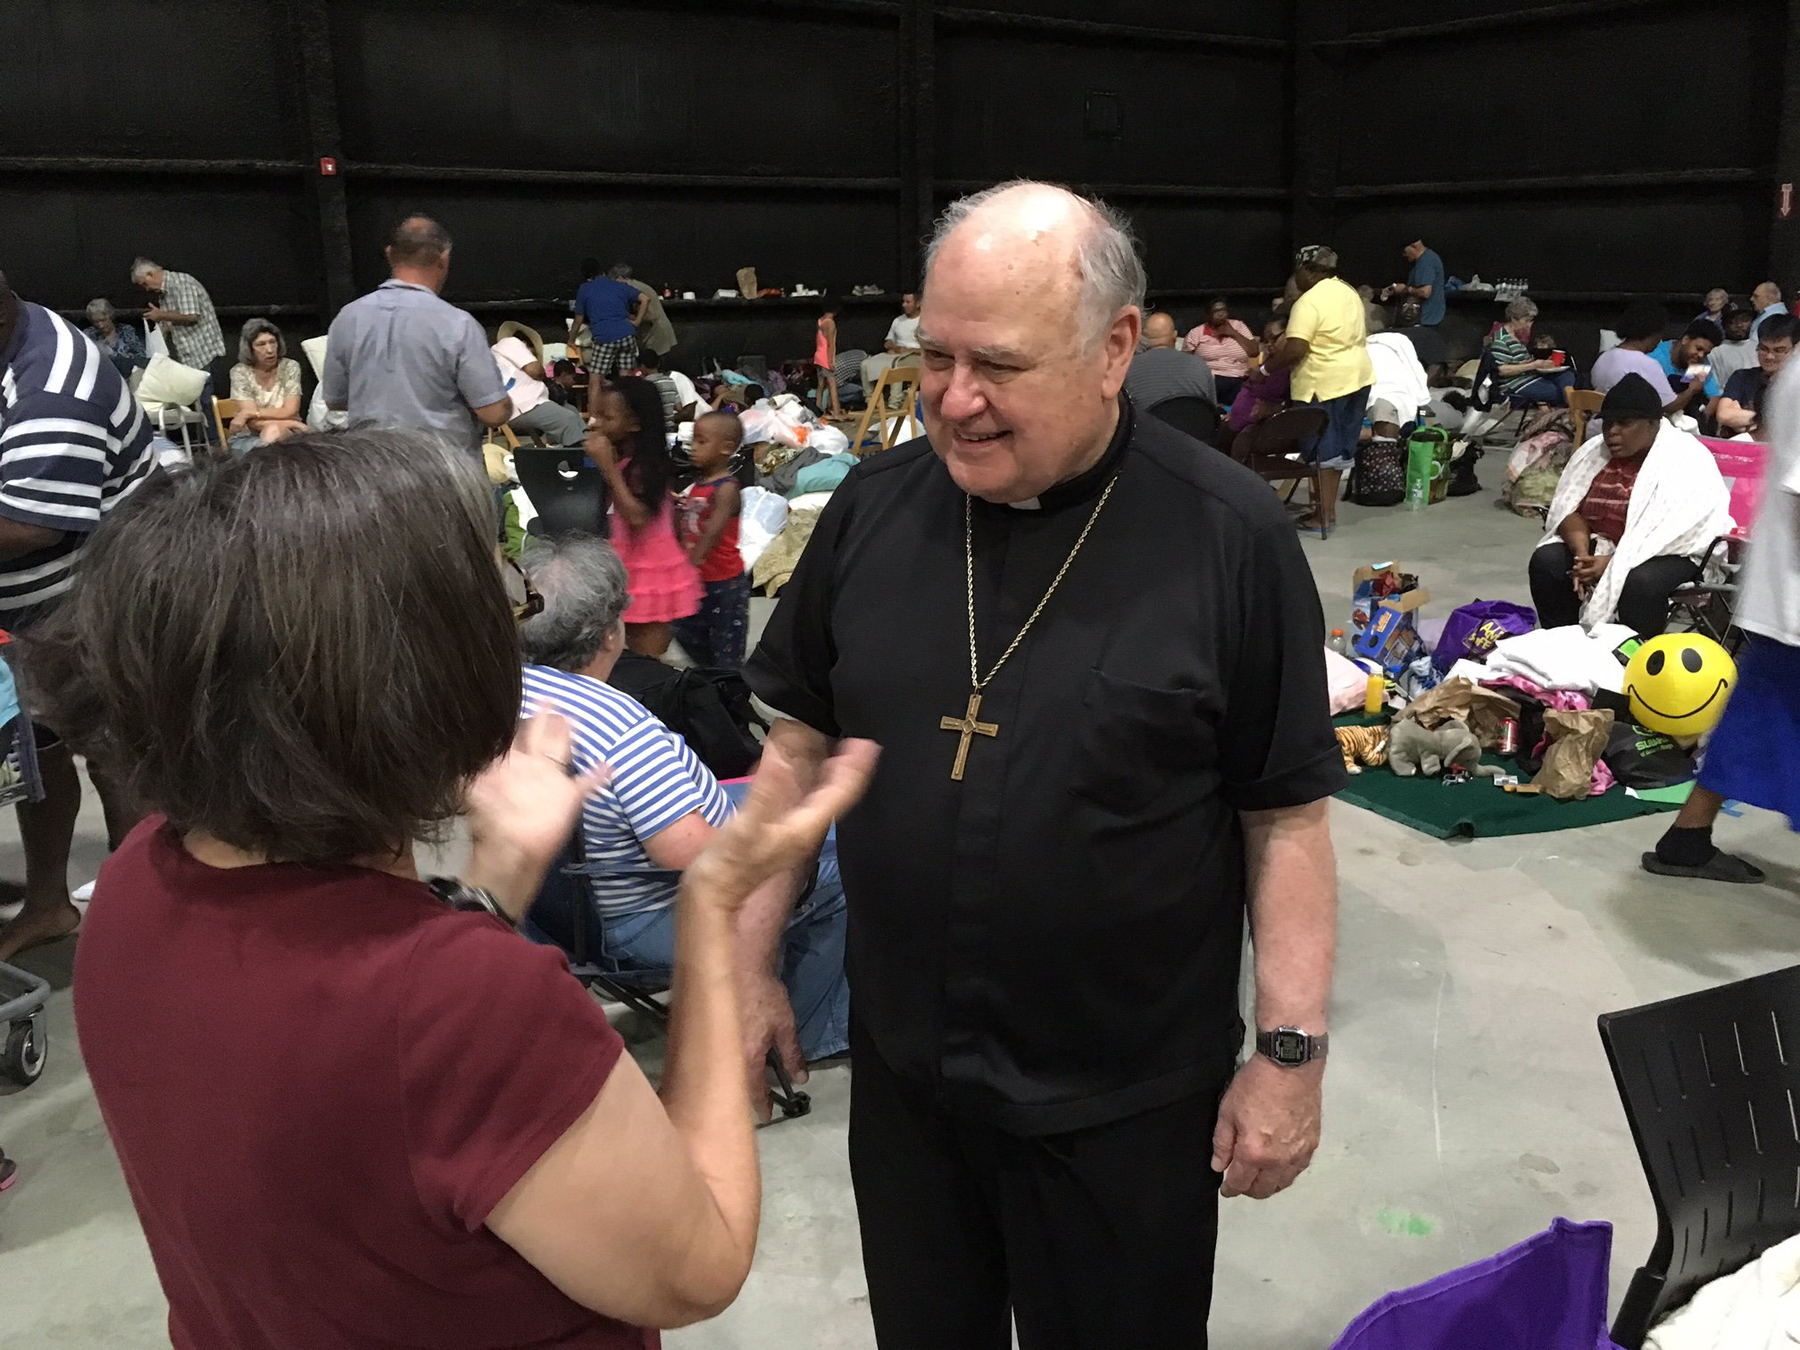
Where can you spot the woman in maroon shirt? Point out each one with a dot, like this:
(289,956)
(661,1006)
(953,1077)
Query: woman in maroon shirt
(355,1109)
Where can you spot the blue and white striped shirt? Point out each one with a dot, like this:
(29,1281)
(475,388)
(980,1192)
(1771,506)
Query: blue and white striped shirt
(73,445)
(656,781)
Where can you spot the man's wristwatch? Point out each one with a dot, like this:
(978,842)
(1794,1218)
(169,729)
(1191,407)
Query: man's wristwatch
(470,899)
(1290,1047)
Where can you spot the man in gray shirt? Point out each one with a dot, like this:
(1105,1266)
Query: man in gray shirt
(402,357)
(1161,370)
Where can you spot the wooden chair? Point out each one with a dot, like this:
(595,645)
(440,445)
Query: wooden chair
(1266,452)
(224,409)
(1583,404)
(512,328)
(903,380)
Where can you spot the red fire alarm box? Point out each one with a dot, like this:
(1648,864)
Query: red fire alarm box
(327,167)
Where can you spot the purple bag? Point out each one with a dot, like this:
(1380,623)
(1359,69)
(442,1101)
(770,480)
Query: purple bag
(1547,1293)
(1473,630)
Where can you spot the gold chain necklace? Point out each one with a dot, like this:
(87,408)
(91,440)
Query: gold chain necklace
(968,725)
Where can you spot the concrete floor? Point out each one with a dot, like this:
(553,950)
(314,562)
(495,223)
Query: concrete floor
(1468,1101)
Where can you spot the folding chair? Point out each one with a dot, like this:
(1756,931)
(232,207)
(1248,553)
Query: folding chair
(1265,448)
(1709,607)
(902,380)
(1708,1084)
(643,991)
(1198,417)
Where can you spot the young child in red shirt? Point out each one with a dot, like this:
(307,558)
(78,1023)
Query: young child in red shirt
(715,636)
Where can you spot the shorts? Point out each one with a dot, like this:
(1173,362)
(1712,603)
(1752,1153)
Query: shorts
(1754,755)
(615,358)
(1336,447)
(1380,410)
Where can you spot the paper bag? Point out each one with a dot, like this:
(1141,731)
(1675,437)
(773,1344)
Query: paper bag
(1484,710)
(746,280)
(1577,740)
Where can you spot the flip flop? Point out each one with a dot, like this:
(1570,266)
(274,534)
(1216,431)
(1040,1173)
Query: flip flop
(9,1172)
(1720,867)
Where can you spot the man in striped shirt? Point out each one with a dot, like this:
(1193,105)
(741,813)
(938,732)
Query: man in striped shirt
(73,445)
(658,810)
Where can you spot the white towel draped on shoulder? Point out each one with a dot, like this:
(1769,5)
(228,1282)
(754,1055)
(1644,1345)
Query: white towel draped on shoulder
(1679,505)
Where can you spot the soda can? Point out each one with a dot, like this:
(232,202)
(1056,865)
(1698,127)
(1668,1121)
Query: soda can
(1509,736)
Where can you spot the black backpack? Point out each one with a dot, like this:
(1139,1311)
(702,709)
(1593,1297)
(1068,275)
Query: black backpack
(1379,475)
(709,709)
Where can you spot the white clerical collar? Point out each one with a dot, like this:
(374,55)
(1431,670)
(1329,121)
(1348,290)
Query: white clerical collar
(1029,504)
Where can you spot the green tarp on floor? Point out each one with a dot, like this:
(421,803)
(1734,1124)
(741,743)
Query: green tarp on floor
(1478,809)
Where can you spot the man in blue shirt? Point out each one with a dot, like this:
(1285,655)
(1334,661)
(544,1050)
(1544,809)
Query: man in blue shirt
(1766,301)
(610,311)
(1677,356)
(1424,283)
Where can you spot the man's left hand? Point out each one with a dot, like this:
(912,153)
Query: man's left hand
(1590,569)
(1268,1127)
(156,314)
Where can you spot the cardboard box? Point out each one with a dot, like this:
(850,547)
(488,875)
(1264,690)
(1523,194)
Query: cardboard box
(1363,601)
(1392,637)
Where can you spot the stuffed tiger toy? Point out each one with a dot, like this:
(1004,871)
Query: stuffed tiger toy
(1365,744)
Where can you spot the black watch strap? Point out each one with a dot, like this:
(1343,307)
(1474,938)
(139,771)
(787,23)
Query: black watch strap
(1291,1047)
(470,899)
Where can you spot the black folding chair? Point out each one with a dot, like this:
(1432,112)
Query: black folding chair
(1708,1082)
(1198,417)
(567,492)
(645,991)
(1709,607)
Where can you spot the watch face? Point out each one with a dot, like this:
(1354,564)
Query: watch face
(1289,1047)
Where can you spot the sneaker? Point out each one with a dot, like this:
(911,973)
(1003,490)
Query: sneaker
(83,893)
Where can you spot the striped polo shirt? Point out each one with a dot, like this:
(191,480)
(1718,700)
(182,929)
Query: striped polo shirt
(656,780)
(73,445)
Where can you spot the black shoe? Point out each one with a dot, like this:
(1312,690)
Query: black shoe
(1463,482)
(1458,400)
(1720,867)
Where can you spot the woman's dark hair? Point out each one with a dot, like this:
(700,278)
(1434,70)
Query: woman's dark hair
(1642,320)
(590,268)
(306,652)
(648,446)
(831,305)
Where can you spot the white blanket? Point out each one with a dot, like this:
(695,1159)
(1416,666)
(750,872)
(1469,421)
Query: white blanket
(1756,1308)
(1399,378)
(1679,505)
(1563,658)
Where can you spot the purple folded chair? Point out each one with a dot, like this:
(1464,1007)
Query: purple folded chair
(1547,1293)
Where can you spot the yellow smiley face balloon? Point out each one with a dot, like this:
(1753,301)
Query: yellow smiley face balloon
(1678,683)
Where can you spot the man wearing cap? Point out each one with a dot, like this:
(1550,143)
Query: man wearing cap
(1634,513)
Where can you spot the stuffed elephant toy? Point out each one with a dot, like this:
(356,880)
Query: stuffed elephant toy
(1414,750)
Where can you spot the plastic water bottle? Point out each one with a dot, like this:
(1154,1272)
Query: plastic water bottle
(1339,643)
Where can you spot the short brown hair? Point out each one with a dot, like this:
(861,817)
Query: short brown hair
(305,652)
(417,241)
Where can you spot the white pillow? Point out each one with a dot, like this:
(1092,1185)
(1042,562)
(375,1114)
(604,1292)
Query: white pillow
(167,382)
(314,347)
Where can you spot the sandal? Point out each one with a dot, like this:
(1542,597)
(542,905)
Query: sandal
(1307,525)
(1721,866)
(9,1171)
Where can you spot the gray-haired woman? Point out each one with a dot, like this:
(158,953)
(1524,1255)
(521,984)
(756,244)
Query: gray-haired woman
(266,386)
(122,345)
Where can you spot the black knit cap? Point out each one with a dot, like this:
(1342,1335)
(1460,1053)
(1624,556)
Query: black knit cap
(1632,397)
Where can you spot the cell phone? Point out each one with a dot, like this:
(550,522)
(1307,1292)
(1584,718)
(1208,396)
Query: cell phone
(1698,371)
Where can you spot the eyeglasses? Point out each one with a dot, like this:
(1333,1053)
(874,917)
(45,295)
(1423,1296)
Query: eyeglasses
(520,593)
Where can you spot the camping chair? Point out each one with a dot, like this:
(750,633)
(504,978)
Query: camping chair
(643,991)
(1583,404)
(1198,417)
(513,328)
(1708,1082)
(224,409)
(1271,443)
(1710,607)
(902,381)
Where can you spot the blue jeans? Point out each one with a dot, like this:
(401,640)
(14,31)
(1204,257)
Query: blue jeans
(1551,389)
(1336,446)
(812,954)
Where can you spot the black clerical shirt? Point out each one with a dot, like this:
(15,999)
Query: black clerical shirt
(1053,942)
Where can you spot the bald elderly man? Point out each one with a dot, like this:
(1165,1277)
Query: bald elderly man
(1162,370)
(1091,658)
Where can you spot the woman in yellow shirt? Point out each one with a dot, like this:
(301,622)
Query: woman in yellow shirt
(1327,347)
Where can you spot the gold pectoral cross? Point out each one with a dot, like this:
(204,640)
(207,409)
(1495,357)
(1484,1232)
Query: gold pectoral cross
(970,728)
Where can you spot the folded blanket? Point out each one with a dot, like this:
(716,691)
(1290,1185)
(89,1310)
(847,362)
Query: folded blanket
(1564,658)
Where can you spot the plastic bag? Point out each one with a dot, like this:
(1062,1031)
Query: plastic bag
(761,516)
(1473,630)
(829,439)
(1427,462)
